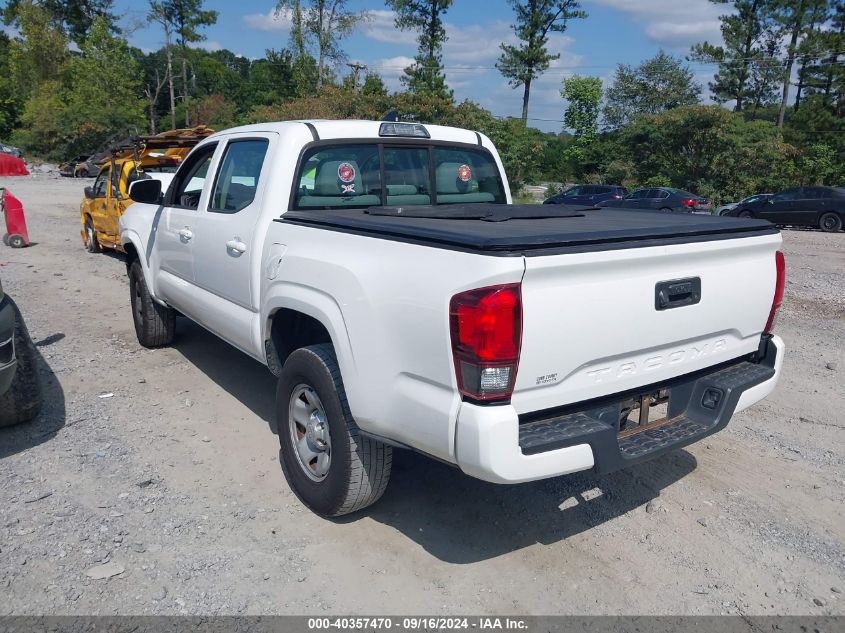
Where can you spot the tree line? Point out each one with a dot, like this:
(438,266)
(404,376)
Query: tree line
(70,81)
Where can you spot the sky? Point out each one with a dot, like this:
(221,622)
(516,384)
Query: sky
(616,31)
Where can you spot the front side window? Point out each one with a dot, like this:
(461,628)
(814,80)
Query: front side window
(190,179)
(100,184)
(237,177)
(350,176)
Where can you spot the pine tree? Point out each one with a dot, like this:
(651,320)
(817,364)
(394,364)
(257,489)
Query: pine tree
(535,20)
(426,76)
(746,59)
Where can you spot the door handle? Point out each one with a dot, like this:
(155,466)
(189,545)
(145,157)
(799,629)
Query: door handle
(186,234)
(236,245)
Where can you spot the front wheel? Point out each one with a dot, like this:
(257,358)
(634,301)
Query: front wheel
(155,324)
(329,465)
(830,222)
(92,245)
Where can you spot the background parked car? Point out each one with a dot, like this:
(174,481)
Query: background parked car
(69,168)
(588,194)
(20,391)
(664,199)
(723,210)
(8,149)
(818,207)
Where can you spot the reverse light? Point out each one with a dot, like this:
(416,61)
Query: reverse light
(486,329)
(780,285)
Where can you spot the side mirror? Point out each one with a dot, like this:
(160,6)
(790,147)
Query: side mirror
(89,192)
(148,191)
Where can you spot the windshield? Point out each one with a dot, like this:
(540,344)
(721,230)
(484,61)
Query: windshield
(350,176)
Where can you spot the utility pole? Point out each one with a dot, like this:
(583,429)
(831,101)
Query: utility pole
(356,67)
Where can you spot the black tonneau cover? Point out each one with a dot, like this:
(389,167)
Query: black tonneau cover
(497,229)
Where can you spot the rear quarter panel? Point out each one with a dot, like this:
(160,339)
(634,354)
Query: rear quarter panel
(386,306)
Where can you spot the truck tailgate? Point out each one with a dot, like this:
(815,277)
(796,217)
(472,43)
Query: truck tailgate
(594,323)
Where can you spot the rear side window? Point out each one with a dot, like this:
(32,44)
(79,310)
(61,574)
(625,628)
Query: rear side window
(237,176)
(375,174)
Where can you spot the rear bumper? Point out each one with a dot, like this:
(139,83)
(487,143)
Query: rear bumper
(7,343)
(492,442)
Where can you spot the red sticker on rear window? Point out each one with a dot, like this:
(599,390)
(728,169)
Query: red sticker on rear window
(346,172)
(464,173)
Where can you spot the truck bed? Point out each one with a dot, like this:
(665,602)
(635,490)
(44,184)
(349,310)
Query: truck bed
(528,229)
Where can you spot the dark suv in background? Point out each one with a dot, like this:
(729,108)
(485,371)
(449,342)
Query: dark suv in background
(818,207)
(588,194)
(664,199)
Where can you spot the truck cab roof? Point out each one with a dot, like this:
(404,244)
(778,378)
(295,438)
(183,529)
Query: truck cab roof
(352,129)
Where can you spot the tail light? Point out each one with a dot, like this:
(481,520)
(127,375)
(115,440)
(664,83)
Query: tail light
(780,284)
(689,202)
(486,328)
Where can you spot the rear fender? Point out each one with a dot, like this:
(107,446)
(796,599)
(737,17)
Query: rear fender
(322,307)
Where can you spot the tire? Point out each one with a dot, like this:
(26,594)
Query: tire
(6,239)
(355,469)
(155,324)
(830,223)
(744,214)
(665,210)
(91,243)
(22,402)
(17,241)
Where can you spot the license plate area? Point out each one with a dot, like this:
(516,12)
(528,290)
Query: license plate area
(644,412)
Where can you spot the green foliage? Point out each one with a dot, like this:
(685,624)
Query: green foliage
(426,75)
(583,97)
(658,84)
(10,103)
(321,24)
(72,17)
(535,20)
(40,54)
(748,70)
(103,97)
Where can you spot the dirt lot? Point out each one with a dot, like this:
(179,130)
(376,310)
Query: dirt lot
(173,482)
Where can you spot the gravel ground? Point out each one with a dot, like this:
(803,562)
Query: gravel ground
(151,483)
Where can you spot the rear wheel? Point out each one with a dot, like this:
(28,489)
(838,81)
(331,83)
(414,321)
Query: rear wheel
(17,241)
(22,401)
(665,209)
(329,465)
(830,222)
(6,239)
(92,245)
(744,214)
(155,324)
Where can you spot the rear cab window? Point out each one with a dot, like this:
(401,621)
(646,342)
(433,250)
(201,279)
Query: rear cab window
(366,174)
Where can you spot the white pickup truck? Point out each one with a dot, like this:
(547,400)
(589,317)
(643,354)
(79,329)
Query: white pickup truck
(381,272)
